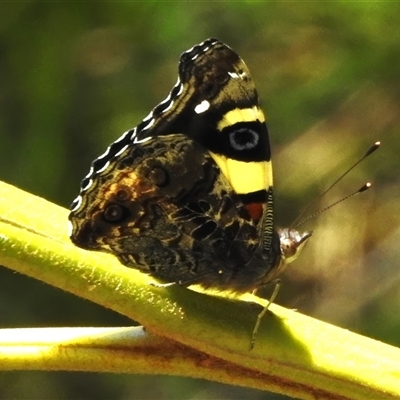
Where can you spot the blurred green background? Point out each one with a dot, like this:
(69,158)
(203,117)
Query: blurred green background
(75,75)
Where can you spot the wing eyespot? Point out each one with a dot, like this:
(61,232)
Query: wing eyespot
(159,177)
(115,213)
(244,139)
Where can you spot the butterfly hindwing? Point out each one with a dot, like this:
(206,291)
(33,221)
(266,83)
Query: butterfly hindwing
(191,229)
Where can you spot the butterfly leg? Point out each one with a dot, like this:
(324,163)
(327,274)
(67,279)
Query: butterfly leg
(277,283)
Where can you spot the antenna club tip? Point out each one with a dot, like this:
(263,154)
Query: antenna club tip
(365,187)
(373,148)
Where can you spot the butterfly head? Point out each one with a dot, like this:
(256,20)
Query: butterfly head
(292,243)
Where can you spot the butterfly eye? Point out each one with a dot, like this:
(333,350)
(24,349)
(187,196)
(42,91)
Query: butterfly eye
(114,213)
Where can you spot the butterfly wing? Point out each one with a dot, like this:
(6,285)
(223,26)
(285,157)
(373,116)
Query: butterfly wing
(190,234)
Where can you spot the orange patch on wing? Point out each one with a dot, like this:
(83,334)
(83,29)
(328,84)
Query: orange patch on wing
(255,210)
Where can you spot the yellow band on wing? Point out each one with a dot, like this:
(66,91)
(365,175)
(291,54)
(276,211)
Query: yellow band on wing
(245,177)
(241,115)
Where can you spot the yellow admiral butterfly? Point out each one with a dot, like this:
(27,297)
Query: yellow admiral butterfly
(187,195)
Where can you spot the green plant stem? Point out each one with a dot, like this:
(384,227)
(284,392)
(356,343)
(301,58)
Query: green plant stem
(294,354)
(117,350)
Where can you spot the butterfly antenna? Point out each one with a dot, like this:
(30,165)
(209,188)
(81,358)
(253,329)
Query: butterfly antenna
(362,189)
(295,223)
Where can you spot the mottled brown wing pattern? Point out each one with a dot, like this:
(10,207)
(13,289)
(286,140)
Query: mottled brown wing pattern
(166,208)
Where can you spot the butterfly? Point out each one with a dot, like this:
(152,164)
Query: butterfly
(187,195)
